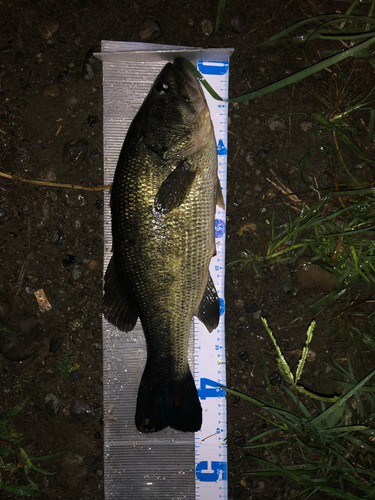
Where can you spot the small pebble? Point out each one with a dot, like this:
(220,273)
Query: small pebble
(239,303)
(82,412)
(238,438)
(259,380)
(96,348)
(52,405)
(63,76)
(238,22)
(276,124)
(311,276)
(51,91)
(285,282)
(88,65)
(77,223)
(207,27)
(55,344)
(76,274)
(244,356)
(305,126)
(93,264)
(58,238)
(249,159)
(15,159)
(72,101)
(263,153)
(74,199)
(150,31)
(74,153)
(257,314)
(69,260)
(251,308)
(92,120)
(258,486)
(48,27)
(75,375)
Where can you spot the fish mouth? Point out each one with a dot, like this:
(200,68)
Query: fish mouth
(191,82)
(199,122)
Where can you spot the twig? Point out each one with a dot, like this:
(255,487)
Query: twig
(286,191)
(54,184)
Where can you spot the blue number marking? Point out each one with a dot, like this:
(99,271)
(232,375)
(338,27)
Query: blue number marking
(221,149)
(212,391)
(205,474)
(219,228)
(222,306)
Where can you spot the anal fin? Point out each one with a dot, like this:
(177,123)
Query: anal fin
(209,308)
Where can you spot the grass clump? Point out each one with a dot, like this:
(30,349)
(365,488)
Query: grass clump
(66,366)
(16,467)
(330,449)
(338,238)
(337,231)
(340,241)
(15,464)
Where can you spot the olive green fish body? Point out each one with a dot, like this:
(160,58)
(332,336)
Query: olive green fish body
(163,205)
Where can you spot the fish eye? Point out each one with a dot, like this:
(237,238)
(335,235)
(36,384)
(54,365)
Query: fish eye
(161,87)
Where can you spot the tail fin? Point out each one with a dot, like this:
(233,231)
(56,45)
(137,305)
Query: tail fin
(173,403)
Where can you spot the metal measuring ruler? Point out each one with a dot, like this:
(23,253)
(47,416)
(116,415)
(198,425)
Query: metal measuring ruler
(168,464)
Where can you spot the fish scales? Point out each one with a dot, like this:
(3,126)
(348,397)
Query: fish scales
(163,204)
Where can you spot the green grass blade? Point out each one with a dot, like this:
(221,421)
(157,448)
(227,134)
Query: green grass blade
(361,444)
(263,434)
(341,401)
(300,75)
(219,15)
(371,127)
(334,17)
(21,490)
(299,403)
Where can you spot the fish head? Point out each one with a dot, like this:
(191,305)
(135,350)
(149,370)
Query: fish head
(174,120)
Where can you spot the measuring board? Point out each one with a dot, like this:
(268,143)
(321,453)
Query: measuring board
(168,464)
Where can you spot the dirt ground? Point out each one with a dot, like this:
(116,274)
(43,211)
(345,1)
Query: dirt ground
(51,238)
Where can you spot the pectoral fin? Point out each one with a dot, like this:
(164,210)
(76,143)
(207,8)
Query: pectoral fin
(116,306)
(175,188)
(209,309)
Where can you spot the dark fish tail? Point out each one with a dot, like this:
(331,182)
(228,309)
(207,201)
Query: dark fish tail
(172,403)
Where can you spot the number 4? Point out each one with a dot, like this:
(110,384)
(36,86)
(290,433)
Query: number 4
(212,391)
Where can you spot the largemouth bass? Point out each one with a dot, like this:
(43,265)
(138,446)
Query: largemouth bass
(163,201)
